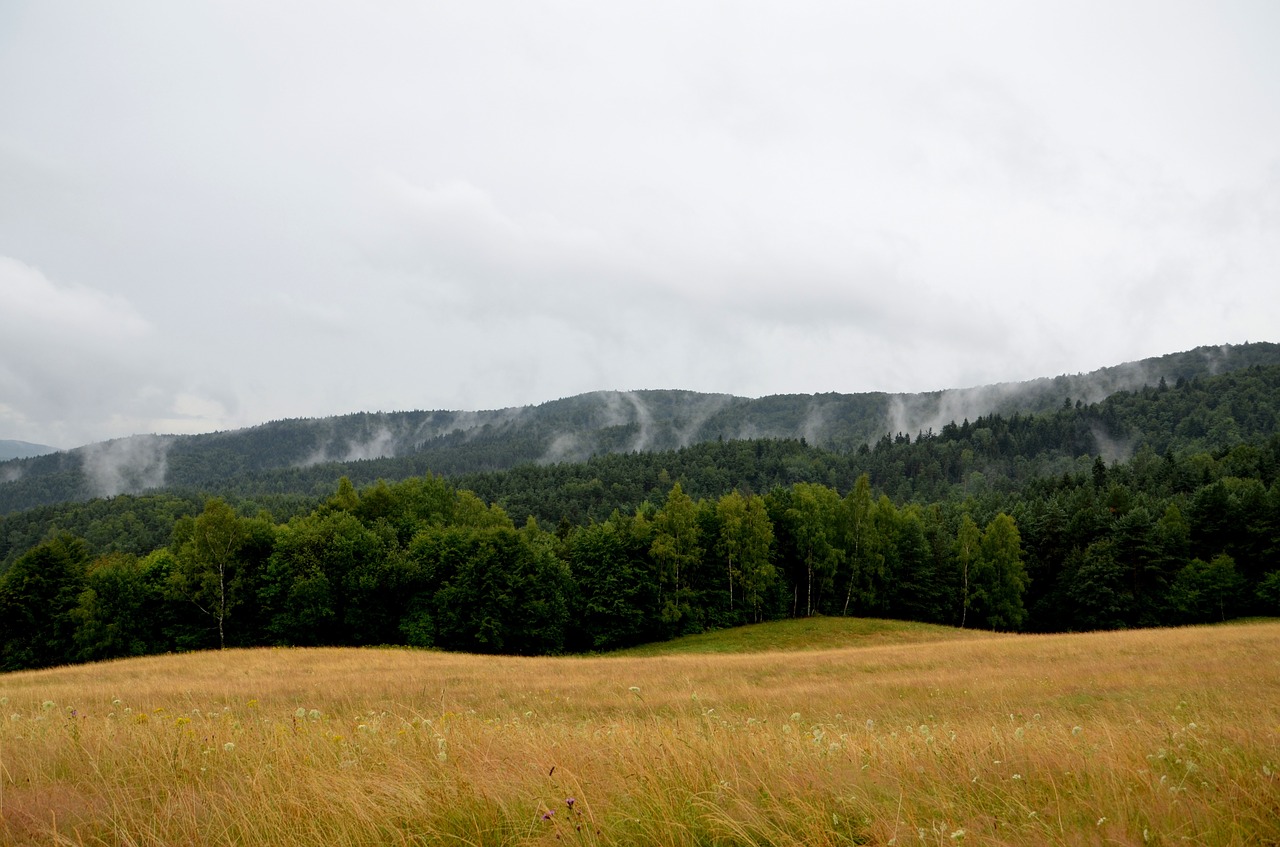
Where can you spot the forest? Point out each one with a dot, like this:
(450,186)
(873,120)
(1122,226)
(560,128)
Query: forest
(1152,507)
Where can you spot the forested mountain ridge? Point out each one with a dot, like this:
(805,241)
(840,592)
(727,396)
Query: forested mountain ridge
(301,455)
(1229,422)
(1154,506)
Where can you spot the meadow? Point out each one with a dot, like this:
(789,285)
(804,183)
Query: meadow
(831,733)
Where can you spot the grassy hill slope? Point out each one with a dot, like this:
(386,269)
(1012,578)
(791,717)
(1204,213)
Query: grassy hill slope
(1140,737)
(816,633)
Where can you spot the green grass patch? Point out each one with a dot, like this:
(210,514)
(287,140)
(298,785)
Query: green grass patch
(816,633)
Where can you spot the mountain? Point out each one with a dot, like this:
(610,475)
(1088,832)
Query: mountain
(307,454)
(23,450)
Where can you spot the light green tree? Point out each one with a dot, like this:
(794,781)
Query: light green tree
(813,516)
(677,549)
(746,535)
(968,540)
(858,535)
(206,572)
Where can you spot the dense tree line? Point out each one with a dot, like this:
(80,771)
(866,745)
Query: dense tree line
(419,562)
(1155,540)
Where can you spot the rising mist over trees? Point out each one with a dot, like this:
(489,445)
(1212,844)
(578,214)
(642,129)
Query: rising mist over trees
(308,456)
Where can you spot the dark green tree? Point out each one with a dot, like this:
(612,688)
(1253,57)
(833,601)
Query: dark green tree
(496,593)
(615,598)
(1000,579)
(321,563)
(124,609)
(38,599)
(1207,591)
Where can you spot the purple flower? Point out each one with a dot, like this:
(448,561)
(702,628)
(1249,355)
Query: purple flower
(546,816)
(569,802)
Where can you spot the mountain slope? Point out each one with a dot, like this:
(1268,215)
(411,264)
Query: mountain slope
(569,429)
(22,450)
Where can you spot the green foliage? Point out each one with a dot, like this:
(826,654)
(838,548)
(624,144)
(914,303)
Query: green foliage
(492,591)
(999,578)
(317,561)
(812,520)
(122,610)
(1268,594)
(38,599)
(965,551)
(615,601)
(1207,591)
(677,551)
(210,570)
(745,542)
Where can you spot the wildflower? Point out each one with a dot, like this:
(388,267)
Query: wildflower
(795,716)
(300,713)
(1016,776)
(47,705)
(229,746)
(1102,820)
(1076,730)
(957,835)
(314,714)
(548,815)
(635,689)
(569,801)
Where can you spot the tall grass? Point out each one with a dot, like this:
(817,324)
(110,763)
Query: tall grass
(1152,737)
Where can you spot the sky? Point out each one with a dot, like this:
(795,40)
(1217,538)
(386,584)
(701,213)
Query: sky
(216,214)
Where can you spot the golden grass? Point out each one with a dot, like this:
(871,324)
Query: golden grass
(1150,737)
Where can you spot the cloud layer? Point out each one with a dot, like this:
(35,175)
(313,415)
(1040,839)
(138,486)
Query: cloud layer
(217,214)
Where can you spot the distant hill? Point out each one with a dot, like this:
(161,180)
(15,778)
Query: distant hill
(303,454)
(22,450)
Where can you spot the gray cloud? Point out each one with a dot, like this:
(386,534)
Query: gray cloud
(217,214)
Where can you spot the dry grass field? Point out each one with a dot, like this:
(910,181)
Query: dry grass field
(1163,737)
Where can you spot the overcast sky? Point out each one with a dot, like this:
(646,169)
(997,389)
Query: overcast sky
(217,214)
